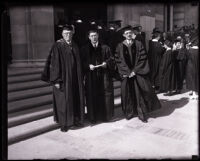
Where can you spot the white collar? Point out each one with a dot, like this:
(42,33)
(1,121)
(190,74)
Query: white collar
(96,44)
(69,42)
(154,40)
(168,49)
(195,47)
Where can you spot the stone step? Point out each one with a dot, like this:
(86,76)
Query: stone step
(31,129)
(23,71)
(29,93)
(26,85)
(29,115)
(29,103)
(24,78)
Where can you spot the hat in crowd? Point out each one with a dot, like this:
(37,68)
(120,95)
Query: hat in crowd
(69,27)
(178,38)
(126,28)
(115,22)
(156,30)
(136,27)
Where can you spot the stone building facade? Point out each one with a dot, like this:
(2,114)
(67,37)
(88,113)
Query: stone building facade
(32,27)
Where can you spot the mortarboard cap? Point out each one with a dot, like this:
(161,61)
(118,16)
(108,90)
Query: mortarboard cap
(68,27)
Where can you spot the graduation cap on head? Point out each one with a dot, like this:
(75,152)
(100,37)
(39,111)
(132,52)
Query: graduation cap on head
(136,27)
(126,28)
(68,26)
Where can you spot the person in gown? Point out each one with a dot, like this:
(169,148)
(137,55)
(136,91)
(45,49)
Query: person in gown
(192,67)
(98,80)
(137,95)
(167,70)
(63,71)
(180,62)
(155,53)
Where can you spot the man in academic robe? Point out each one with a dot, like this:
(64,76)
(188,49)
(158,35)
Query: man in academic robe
(156,50)
(192,66)
(63,71)
(140,36)
(138,97)
(97,66)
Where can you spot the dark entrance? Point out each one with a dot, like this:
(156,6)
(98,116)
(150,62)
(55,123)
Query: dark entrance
(86,12)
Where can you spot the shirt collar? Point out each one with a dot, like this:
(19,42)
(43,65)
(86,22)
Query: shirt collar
(154,40)
(96,44)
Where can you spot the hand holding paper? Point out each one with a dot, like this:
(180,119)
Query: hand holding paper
(92,67)
(131,75)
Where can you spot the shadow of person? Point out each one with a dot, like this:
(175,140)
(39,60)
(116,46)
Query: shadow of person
(168,107)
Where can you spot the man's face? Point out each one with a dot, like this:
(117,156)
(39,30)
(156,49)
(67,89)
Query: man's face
(140,28)
(128,34)
(67,35)
(93,36)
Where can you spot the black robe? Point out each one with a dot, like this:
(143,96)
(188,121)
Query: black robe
(180,66)
(98,83)
(168,75)
(141,37)
(192,70)
(155,55)
(63,66)
(138,97)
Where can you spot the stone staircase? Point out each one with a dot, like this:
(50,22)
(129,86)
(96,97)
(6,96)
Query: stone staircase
(30,108)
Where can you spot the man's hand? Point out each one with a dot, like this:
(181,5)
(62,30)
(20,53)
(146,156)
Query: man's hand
(104,64)
(92,67)
(57,85)
(131,75)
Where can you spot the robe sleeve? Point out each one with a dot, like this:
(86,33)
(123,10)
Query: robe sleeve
(55,66)
(142,65)
(109,59)
(121,65)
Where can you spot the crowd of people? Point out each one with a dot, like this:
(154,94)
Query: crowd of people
(81,70)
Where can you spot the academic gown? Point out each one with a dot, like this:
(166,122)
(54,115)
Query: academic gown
(192,70)
(137,94)
(63,66)
(180,66)
(168,75)
(98,83)
(155,55)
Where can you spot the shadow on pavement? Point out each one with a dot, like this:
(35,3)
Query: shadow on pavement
(168,107)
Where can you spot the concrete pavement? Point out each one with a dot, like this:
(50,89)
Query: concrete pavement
(171,132)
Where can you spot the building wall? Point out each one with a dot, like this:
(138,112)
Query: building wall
(130,13)
(186,14)
(32,30)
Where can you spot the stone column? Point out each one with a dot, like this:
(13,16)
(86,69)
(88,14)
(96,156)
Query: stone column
(32,34)
(18,24)
(171,17)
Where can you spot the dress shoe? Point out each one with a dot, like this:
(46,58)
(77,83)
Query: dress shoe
(143,119)
(168,94)
(78,124)
(64,129)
